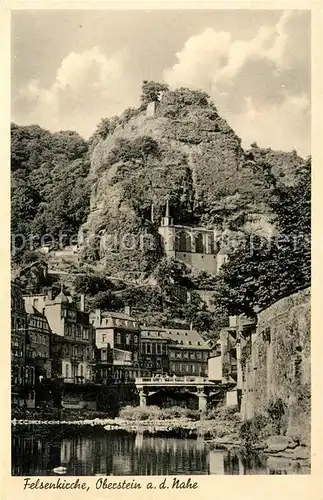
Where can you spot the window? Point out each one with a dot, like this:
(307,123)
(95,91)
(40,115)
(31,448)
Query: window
(185,355)
(198,355)
(158,349)
(104,337)
(118,338)
(86,334)
(187,368)
(128,339)
(135,339)
(179,355)
(192,355)
(67,371)
(193,368)
(172,354)
(148,348)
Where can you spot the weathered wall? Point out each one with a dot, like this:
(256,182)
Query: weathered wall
(279,367)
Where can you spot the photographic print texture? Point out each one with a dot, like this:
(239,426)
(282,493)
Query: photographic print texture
(160,243)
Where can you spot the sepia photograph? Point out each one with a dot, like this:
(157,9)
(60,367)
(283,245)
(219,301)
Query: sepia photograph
(160,243)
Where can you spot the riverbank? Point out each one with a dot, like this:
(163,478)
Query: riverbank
(221,428)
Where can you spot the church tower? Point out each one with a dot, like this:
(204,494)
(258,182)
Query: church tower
(167,232)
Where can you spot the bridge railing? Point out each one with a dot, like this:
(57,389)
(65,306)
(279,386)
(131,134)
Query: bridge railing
(171,380)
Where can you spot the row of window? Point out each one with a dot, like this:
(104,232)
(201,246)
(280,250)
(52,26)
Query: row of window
(121,323)
(18,324)
(189,355)
(78,352)
(122,338)
(119,374)
(201,243)
(37,338)
(78,330)
(77,372)
(153,348)
(38,323)
(31,353)
(187,368)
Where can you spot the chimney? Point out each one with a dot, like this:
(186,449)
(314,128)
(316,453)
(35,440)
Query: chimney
(98,317)
(82,302)
(127,310)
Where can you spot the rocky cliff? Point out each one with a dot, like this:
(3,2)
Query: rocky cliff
(178,149)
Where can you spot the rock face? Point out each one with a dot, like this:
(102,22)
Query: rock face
(181,151)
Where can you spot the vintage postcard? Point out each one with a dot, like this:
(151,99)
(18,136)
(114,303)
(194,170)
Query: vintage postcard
(159,285)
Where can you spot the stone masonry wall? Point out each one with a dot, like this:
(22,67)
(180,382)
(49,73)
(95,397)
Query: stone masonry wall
(279,366)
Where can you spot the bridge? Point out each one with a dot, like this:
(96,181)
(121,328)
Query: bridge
(198,386)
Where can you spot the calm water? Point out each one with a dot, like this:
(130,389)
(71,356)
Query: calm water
(91,451)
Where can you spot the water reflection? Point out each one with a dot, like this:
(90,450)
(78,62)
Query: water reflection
(96,451)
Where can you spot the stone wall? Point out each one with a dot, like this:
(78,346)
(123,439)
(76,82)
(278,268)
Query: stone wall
(279,365)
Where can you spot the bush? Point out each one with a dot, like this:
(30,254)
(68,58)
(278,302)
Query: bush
(156,413)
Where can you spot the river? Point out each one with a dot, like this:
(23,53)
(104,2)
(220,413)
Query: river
(37,450)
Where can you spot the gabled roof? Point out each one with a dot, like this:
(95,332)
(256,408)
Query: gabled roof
(32,310)
(117,315)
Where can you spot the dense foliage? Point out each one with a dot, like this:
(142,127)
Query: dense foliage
(263,269)
(49,193)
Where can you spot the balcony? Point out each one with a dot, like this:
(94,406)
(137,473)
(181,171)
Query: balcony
(76,380)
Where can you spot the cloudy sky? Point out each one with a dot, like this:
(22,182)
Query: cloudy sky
(71,68)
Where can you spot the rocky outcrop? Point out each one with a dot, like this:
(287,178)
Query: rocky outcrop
(185,153)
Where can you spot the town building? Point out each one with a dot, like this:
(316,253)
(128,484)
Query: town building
(154,355)
(188,353)
(22,374)
(195,246)
(38,348)
(38,352)
(72,347)
(173,352)
(117,338)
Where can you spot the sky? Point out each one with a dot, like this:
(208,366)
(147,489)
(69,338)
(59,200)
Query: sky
(72,68)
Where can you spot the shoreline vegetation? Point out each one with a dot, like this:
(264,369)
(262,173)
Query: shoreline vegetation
(222,428)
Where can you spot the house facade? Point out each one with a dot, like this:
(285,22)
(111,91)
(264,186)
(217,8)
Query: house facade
(73,339)
(117,338)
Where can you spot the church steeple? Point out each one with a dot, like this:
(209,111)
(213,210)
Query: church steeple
(167,220)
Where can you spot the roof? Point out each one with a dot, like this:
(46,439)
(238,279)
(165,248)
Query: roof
(32,310)
(62,298)
(183,338)
(117,315)
(153,334)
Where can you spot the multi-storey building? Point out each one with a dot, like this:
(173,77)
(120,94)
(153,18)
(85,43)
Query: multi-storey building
(154,356)
(38,348)
(173,352)
(22,376)
(72,337)
(188,353)
(117,340)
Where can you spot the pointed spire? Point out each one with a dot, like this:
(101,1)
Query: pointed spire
(167,208)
